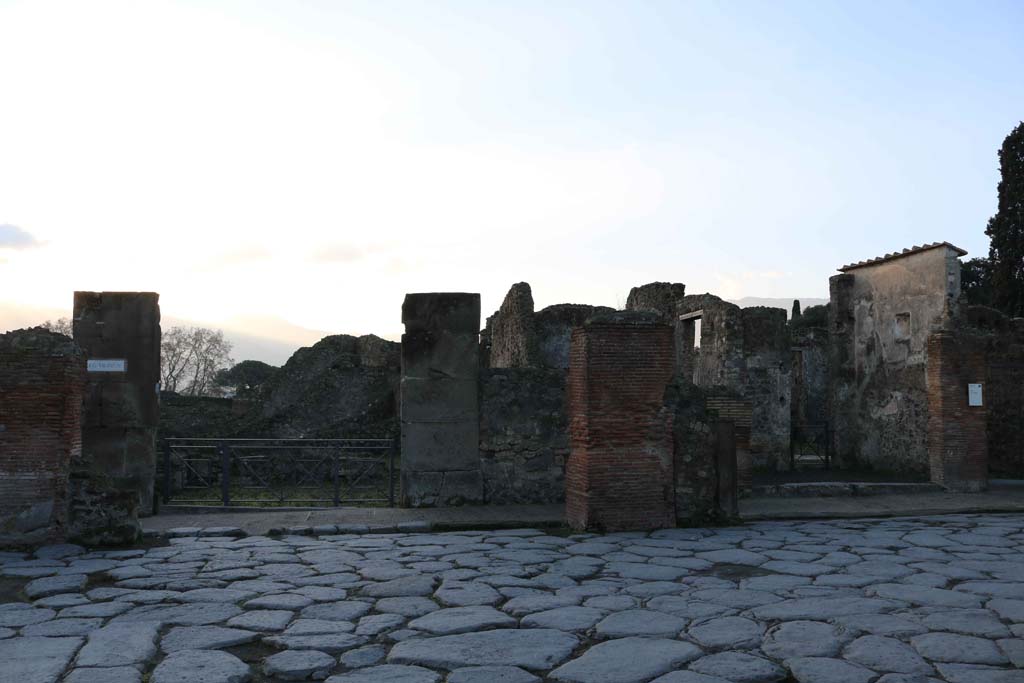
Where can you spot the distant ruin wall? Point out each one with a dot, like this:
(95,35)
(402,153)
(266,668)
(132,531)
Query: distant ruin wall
(42,380)
(746,351)
(524,440)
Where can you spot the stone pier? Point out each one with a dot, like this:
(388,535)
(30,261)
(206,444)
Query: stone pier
(439,400)
(120,335)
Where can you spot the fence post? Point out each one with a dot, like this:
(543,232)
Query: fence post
(391,472)
(336,478)
(167,471)
(225,474)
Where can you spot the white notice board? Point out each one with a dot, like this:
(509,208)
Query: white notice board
(974,397)
(106,365)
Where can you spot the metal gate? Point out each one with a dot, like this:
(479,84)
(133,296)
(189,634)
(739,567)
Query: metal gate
(277,472)
(809,447)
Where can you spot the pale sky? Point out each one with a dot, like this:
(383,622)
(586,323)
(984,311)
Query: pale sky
(308,163)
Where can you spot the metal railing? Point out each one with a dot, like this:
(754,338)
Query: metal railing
(275,472)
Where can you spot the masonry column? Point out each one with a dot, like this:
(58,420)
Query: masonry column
(957,430)
(439,403)
(619,475)
(120,335)
(42,376)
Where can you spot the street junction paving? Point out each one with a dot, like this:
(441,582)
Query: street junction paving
(913,600)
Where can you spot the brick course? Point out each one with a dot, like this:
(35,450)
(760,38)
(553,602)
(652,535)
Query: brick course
(957,432)
(619,474)
(42,378)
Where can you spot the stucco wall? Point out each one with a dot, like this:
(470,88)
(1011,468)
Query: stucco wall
(881,315)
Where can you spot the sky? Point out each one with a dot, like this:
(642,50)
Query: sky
(279,167)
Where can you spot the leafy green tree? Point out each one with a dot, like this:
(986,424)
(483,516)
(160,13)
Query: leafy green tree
(1006,228)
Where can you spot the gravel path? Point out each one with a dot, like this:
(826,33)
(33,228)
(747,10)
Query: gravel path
(919,600)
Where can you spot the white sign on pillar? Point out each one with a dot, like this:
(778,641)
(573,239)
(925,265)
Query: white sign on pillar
(974,395)
(106,365)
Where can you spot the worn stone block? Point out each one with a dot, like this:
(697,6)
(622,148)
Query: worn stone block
(440,446)
(452,311)
(441,489)
(440,354)
(439,400)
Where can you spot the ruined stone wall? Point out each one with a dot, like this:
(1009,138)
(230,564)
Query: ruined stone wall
(42,380)
(513,337)
(745,351)
(704,492)
(517,337)
(341,387)
(767,380)
(619,474)
(122,408)
(720,362)
(554,325)
(524,439)
(880,318)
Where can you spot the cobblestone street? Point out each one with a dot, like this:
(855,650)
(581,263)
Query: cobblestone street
(895,601)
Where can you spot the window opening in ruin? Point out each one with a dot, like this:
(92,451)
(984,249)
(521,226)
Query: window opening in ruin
(696,333)
(901,328)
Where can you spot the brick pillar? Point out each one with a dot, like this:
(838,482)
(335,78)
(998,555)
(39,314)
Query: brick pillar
(619,475)
(439,403)
(122,405)
(957,432)
(42,377)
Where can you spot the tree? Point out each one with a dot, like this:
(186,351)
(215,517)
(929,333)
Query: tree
(191,357)
(976,281)
(1006,228)
(60,326)
(248,379)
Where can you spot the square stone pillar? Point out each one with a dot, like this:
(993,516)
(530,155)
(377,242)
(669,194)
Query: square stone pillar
(122,404)
(439,402)
(957,431)
(620,470)
(42,377)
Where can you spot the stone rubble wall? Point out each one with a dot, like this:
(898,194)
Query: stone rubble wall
(524,439)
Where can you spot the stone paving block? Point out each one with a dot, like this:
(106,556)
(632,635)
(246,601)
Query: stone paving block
(201,666)
(626,660)
(36,659)
(534,649)
(299,665)
(118,674)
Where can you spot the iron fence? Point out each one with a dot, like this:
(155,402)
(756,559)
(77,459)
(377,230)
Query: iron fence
(269,472)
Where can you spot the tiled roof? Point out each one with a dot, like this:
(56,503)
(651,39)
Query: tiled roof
(905,252)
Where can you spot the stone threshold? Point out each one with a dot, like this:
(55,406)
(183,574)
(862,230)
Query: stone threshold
(831,489)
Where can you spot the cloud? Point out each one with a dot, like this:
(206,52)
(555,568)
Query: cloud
(338,253)
(13,237)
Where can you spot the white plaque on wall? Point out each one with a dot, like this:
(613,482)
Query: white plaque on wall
(974,395)
(107,365)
